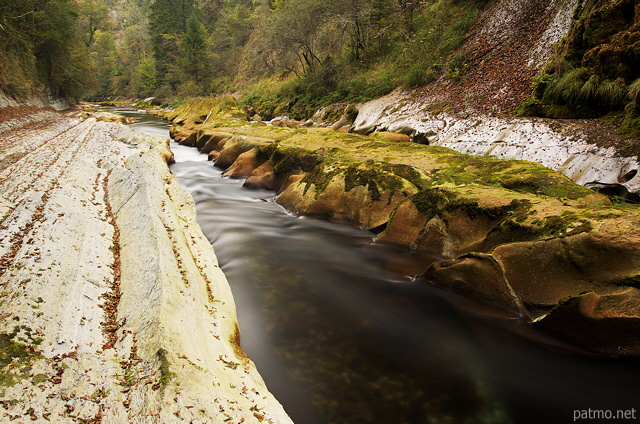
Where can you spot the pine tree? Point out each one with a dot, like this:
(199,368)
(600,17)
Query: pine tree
(167,23)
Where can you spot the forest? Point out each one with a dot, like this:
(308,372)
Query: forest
(292,56)
(308,51)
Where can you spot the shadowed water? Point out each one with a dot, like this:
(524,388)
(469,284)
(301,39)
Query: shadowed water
(342,334)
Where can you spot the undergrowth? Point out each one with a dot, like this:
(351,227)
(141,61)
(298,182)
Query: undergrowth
(411,59)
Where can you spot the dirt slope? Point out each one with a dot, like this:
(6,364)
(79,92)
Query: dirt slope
(505,49)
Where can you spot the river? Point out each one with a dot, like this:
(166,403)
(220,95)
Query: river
(342,333)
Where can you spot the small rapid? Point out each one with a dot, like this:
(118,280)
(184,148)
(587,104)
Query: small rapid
(342,333)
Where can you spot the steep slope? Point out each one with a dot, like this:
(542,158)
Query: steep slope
(507,47)
(113,305)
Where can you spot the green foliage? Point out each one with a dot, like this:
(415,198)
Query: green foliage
(594,70)
(456,65)
(148,81)
(167,22)
(611,94)
(310,52)
(42,47)
(634,92)
(193,54)
(104,57)
(93,17)
(566,89)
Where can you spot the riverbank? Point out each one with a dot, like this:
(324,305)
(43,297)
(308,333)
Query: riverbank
(512,234)
(114,307)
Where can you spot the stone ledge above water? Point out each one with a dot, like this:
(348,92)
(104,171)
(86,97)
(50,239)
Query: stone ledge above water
(512,233)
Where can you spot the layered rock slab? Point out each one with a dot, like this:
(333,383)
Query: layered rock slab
(507,233)
(114,307)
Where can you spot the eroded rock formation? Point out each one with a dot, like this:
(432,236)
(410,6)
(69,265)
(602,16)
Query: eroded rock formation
(513,234)
(114,308)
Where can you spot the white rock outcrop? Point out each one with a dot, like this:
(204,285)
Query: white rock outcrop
(114,308)
(558,145)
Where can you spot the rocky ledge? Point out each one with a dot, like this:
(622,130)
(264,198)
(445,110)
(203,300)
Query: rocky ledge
(511,234)
(587,151)
(113,305)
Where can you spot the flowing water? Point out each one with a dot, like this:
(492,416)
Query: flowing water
(342,334)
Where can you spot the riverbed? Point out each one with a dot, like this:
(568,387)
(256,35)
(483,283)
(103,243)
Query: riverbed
(342,332)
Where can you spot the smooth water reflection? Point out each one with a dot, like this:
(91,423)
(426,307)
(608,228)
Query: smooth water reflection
(342,335)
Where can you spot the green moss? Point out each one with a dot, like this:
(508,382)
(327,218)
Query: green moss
(566,224)
(39,378)
(165,371)
(319,178)
(265,151)
(17,355)
(209,109)
(333,114)
(409,173)
(355,176)
(377,177)
(631,121)
(632,281)
(351,112)
(530,107)
(539,180)
(431,200)
(286,160)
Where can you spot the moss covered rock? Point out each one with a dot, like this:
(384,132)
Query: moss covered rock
(208,140)
(207,110)
(513,234)
(551,276)
(232,148)
(364,194)
(603,323)
(263,177)
(393,136)
(478,276)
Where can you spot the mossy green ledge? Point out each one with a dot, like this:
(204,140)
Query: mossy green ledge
(511,234)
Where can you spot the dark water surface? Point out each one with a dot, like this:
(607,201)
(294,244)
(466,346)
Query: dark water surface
(342,334)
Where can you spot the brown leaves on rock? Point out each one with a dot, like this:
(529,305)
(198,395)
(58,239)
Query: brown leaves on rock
(500,59)
(112,298)
(18,239)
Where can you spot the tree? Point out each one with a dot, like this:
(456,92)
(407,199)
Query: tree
(194,50)
(148,77)
(40,47)
(61,59)
(104,59)
(167,22)
(300,35)
(93,16)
